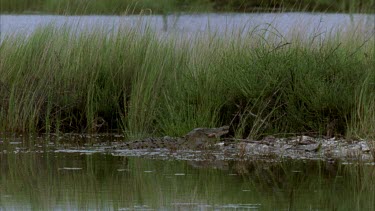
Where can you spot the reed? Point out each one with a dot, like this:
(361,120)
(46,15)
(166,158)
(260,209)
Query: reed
(363,119)
(96,80)
(79,7)
(118,7)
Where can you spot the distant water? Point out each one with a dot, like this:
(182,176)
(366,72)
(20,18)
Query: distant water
(282,23)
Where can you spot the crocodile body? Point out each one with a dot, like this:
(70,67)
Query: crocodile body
(199,138)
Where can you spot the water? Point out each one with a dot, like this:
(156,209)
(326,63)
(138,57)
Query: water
(283,24)
(38,177)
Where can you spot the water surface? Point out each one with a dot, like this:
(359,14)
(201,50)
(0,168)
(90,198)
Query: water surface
(42,179)
(282,23)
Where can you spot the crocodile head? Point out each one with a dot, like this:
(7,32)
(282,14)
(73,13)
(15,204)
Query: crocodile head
(200,136)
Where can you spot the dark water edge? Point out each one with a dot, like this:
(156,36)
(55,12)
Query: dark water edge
(174,6)
(40,179)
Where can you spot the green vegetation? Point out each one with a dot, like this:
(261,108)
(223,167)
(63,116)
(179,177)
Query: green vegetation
(61,80)
(171,6)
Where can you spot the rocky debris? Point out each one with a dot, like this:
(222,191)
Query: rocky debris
(269,148)
(302,147)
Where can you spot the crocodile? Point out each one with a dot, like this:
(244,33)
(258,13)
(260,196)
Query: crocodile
(199,138)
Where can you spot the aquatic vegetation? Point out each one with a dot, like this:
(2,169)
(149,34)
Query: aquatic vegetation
(63,79)
(363,120)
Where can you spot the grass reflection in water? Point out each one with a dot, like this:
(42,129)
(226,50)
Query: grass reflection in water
(97,181)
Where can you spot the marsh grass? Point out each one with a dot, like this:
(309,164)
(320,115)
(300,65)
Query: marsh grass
(118,7)
(113,7)
(364,112)
(96,80)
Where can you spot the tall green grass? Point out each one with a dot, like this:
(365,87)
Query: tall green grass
(103,6)
(60,79)
(171,6)
(363,122)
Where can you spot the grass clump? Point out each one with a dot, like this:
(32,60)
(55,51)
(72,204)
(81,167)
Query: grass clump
(363,122)
(62,79)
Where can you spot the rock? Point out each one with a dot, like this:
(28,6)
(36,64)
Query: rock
(300,147)
(364,146)
(286,146)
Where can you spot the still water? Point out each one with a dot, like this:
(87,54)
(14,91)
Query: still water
(43,179)
(283,24)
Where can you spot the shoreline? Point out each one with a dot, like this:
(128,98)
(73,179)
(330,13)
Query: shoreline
(269,149)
